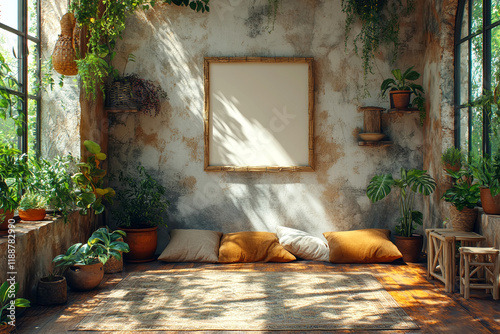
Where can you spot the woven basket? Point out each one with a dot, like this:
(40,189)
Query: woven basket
(119,96)
(64,55)
(463,220)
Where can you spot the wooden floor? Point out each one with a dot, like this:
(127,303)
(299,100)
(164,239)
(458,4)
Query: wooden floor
(423,300)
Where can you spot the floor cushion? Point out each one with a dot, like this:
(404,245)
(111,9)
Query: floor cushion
(190,245)
(302,244)
(362,246)
(252,247)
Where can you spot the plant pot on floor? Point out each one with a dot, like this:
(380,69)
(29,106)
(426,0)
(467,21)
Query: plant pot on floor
(142,243)
(113,265)
(84,277)
(400,99)
(4,226)
(463,220)
(410,247)
(32,214)
(491,204)
(52,291)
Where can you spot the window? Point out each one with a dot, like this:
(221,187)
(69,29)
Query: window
(20,47)
(477,60)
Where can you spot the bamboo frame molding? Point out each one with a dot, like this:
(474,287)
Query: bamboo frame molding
(259,114)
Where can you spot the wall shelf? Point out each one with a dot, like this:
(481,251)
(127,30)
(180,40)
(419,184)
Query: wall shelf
(402,111)
(382,143)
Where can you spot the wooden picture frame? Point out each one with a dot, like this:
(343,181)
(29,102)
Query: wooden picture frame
(259,114)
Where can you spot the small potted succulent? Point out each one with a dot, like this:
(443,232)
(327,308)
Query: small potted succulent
(141,205)
(400,88)
(32,206)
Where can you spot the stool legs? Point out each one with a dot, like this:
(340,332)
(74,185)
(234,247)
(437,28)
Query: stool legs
(485,269)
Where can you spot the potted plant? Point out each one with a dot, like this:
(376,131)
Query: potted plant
(463,196)
(83,263)
(52,289)
(8,301)
(13,170)
(400,88)
(487,171)
(452,159)
(32,206)
(141,206)
(412,181)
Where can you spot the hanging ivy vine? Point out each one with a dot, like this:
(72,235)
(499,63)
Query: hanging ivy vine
(379,25)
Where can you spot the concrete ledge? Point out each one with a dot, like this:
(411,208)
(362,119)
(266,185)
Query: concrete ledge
(36,244)
(489,226)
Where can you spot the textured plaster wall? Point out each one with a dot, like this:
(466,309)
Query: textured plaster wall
(439,85)
(60,118)
(170,43)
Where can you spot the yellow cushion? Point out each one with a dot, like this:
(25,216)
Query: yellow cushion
(252,247)
(362,246)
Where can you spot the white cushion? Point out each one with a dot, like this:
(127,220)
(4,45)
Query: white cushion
(303,244)
(192,246)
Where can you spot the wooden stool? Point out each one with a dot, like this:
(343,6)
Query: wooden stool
(484,273)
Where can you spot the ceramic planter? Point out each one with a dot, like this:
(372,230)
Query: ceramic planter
(410,247)
(32,214)
(491,205)
(84,277)
(142,243)
(53,292)
(400,99)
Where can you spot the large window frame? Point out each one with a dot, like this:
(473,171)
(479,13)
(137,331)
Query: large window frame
(25,40)
(465,34)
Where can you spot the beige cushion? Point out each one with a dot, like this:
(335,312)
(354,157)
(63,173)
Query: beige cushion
(362,246)
(303,244)
(192,246)
(252,247)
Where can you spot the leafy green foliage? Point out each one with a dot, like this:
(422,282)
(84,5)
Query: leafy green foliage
(464,192)
(32,200)
(90,180)
(411,182)
(101,245)
(13,171)
(487,171)
(401,81)
(9,101)
(141,199)
(7,298)
(379,25)
(452,156)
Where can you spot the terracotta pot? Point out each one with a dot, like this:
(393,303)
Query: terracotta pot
(410,247)
(84,277)
(463,220)
(400,99)
(52,292)
(491,205)
(142,243)
(32,214)
(4,226)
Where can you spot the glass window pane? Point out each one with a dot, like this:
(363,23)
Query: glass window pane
(10,51)
(477,16)
(495,53)
(33,67)
(495,10)
(33,18)
(477,67)
(8,132)
(465,21)
(464,73)
(476,149)
(32,125)
(495,130)
(464,128)
(8,13)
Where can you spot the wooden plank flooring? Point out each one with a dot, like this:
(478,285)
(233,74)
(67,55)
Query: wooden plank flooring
(425,301)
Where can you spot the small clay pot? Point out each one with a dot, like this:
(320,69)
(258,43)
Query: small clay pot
(400,99)
(410,247)
(52,292)
(32,214)
(84,277)
(142,243)
(491,204)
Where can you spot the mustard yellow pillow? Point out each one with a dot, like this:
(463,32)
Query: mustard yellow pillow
(252,247)
(362,246)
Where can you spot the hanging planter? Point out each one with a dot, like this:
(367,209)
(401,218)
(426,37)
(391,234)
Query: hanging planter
(64,55)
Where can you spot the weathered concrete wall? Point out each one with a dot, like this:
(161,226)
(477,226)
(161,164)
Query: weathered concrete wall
(36,244)
(170,43)
(438,83)
(60,118)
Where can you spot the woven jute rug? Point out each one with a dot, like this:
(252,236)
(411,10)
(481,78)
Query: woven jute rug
(237,300)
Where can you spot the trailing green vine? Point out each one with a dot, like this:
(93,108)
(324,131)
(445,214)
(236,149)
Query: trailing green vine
(379,25)
(105,21)
(272,12)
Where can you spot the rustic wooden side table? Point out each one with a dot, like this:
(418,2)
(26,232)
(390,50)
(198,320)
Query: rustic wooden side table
(441,253)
